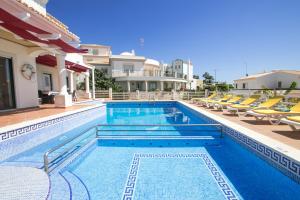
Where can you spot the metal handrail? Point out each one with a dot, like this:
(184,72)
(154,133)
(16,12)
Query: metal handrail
(47,161)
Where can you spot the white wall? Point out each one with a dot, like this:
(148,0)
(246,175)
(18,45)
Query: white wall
(117,67)
(26,91)
(270,81)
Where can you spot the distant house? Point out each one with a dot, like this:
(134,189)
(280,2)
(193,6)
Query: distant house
(133,72)
(274,79)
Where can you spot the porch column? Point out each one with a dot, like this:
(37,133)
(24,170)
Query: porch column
(128,86)
(63,99)
(93,84)
(87,85)
(146,86)
(161,86)
(71,81)
(174,86)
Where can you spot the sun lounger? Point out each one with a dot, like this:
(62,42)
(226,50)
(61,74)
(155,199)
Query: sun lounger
(292,121)
(197,100)
(271,114)
(264,105)
(209,103)
(244,105)
(223,105)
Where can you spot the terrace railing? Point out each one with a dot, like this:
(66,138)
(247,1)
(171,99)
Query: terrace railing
(149,95)
(59,153)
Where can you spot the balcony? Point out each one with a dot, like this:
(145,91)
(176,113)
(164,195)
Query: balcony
(147,73)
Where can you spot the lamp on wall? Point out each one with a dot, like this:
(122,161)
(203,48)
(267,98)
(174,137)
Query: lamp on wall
(28,71)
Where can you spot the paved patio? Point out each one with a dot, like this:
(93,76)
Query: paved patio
(23,115)
(282,132)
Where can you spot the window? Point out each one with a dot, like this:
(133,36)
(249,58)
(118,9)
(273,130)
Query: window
(95,52)
(68,85)
(236,85)
(279,85)
(244,85)
(47,81)
(128,68)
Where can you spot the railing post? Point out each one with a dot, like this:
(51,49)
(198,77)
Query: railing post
(173,95)
(110,93)
(137,94)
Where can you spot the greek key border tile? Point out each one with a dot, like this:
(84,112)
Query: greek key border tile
(33,127)
(288,166)
(129,188)
(285,164)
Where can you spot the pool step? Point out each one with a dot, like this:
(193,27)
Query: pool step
(148,137)
(148,141)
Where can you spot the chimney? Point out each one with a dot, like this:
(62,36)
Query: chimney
(133,52)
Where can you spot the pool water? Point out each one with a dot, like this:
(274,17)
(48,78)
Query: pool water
(160,162)
(154,169)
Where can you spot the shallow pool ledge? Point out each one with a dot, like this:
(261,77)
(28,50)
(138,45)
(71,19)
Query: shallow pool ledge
(23,183)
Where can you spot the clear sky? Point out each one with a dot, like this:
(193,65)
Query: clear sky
(225,35)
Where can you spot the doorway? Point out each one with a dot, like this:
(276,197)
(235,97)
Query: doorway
(7,89)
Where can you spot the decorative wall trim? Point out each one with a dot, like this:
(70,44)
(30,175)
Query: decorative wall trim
(223,185)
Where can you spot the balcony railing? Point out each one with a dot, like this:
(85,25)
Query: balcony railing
(147,73)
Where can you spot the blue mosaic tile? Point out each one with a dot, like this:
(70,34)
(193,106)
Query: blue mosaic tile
(285,164)
(37,134)
(130,184)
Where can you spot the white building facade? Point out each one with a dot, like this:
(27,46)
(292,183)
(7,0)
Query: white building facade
(134,72)
(29,34)
(276,79)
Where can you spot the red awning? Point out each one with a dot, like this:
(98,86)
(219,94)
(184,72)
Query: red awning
(28,32)
(51,61)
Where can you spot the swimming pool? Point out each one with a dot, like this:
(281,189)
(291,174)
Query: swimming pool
(162,162)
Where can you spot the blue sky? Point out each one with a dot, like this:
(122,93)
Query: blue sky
(215,34)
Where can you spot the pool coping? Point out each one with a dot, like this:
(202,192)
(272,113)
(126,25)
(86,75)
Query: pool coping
(23,180)
(19,129)
(280,155)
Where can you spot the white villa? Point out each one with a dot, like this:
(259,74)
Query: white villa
(38,56)
(134,72)
(276,79)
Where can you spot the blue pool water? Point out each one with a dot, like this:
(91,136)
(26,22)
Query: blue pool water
(210,167)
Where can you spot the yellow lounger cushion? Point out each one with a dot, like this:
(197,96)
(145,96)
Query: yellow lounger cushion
(294,118)
(271,102)
(238,106)
(294,110)
(225,98)
(250,100)
(231,101)
(274,112)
